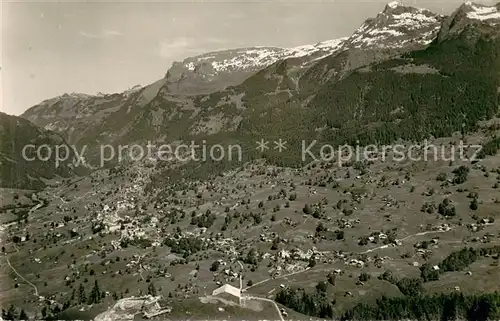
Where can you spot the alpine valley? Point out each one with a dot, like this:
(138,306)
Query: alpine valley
(278,234)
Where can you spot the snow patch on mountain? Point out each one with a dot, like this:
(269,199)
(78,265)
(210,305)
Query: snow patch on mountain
(247,58)
(394,4)
(253,59)
(479,12)
(473,18)
(396,25)
(413,20)
(132,90)
(386,31)
(330,46)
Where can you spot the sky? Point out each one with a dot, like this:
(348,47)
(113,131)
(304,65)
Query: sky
(52,48)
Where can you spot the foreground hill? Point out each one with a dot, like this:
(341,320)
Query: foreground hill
(347,235)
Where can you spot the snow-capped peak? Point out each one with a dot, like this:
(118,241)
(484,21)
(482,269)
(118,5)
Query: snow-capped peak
(76,95)
(394,4)
(485,19)
(328,46)
(132,90)
(249,59)
(482,12)
(68,96)
(397,25)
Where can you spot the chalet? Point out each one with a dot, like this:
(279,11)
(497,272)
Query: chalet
(228,292)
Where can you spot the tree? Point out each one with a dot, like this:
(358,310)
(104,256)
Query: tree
(474,204)
(274,245)
(410,287)
(459,260)
(312,262)
(445,307)
(461,174)
(44,312)
(251,257)
(95,294)
(332,278)
(10,314)
(23,315)
(215,266)
(313,304)
(387,276)
(363,240)
(446,208)
(363,277)
(82,298)
(449,310)
(441,177)
(427,273)
(321,228)
(151,289)
(321,287)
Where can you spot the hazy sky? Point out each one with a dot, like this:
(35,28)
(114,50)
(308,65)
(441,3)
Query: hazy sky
(49,48)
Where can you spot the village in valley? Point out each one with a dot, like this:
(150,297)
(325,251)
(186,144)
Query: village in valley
(295,229)
(114,246)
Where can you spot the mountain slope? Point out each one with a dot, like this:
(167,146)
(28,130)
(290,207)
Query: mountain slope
(93,119)
(447,87)
(18,171)
(400,75)
(395,27)
(217,70)
(395,30)
(474,19)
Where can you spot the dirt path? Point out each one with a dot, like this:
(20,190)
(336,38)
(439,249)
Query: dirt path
(22,277)
(36,207)
(276,278)
(267,300)
(404,239)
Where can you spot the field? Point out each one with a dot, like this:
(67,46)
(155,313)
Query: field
(288,228)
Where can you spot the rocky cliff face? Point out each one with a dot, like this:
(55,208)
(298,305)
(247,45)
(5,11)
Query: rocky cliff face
(395,27)
(395,30)
(473,20)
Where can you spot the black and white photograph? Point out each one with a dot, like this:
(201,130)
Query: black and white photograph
(250,160)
